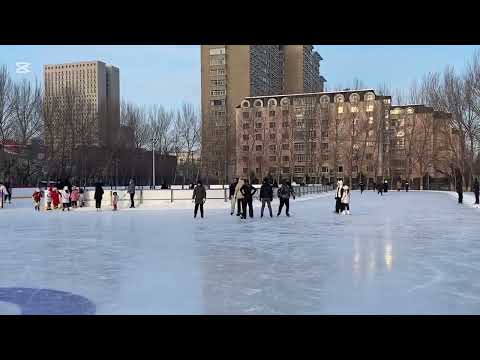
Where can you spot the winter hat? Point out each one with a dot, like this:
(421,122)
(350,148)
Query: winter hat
(65,188)
(37,190)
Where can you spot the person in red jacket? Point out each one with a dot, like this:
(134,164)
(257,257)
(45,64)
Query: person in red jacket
(55,198)
(37,196)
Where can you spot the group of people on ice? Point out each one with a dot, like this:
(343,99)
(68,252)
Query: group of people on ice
(241,194)
(342,198)
(64,199)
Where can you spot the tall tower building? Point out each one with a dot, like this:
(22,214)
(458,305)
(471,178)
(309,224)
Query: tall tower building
(302,70)
(94,89)
(229,73)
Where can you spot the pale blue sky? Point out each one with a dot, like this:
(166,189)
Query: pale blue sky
(168,75)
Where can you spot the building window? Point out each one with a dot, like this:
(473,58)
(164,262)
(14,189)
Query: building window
(369,108)
(245,148)
(324,169)
(245,170)
(258,136)
(258,114)
(340,110)
(370,143)
(324,146)
(216,102)
(272,125)
(325,158)
(258,125)
(299,147)
(273,136)
(271,113)
(245,137)
(300,158)
(217,92)
(370,168)
(285,124)
(340,169)
(324,134)
(285,113)
(285,158)
(370,120)
(299,169)
(273,158)
(370,133)
(217,51)
(285,146)
(273,148)
(354,109)
(246,115)
(258,148)
(369,156)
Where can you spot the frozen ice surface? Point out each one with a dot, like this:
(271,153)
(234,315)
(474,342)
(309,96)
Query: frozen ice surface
(403,253)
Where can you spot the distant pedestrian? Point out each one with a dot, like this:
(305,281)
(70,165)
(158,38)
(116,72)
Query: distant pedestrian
(385,186)
(231,195)
(338,196)
(81,198)
(476,191)
(266,196)
(65,195)
(98,196)
(407,186)
(3,192)
(247,191)
(55,198)
(346,200)
(48,198)
(75,196)
(199,197)
(460,192)
(284,193)
(131,191)
(9,192)
(114,200)
(239,197)
(37,196)
(362,187)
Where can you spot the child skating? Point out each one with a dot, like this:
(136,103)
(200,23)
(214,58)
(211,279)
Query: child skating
(115,201)
(346,200)
(37,196)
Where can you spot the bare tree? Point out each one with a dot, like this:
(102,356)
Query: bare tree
(6,122)
(26,103)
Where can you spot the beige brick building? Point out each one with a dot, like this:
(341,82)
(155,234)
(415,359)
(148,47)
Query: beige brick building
(312,137)
(229,73)
(93,89)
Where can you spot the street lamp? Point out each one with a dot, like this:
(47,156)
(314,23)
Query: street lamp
(154,141)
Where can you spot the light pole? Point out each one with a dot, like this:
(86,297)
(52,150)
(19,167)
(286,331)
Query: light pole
(154,141)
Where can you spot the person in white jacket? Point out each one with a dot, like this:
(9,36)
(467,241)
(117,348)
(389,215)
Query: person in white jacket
(239,197)
(65,198)
(346,200)
(338,197)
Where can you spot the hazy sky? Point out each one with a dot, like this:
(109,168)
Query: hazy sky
(169,75)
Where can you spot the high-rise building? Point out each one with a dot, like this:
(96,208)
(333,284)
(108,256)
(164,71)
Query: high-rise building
(93,90)
(229,73)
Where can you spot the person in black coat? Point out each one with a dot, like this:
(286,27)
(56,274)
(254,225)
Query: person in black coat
(460,192)
(407,186)
(199,197)
(247,191)
(266,196)
(362,187)
(476,191)
(385,186)
(98,196)
(284,193)
(231,195)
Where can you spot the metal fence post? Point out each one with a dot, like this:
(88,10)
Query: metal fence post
(1,193)
(225,194)
(171,195)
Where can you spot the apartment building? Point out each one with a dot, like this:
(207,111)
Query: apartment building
(229,73)
(90,93)
(422,147)
(312,137)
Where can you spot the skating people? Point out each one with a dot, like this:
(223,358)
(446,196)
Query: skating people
(407,186)
(284,193)
(379,189)
(65,194)
(98,196)
(199,197)
(37,196)
(55,198)
(460,192)
(3,192)
(115,200)
(247,191)
(48,198)
(75,196)
(131,191)
(346,200)
(231,195)
(362,187)
(9,192)
(239,197)
(338,197)
(266,196)
(385,186)
(476,191)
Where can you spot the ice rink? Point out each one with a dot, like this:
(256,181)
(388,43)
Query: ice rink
(403,253)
